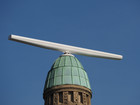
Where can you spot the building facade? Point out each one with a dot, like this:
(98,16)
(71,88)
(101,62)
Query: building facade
(67,83)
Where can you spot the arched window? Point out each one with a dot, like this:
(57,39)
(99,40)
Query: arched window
(60,97)
(70,96)
(80,97)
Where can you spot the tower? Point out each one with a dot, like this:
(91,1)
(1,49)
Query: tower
(67,83)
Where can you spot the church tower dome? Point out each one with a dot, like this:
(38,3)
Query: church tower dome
(67,83)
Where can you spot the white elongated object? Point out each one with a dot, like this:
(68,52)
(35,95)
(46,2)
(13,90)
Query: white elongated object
(65,48)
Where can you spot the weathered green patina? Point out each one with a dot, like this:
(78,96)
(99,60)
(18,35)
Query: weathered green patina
(67,70)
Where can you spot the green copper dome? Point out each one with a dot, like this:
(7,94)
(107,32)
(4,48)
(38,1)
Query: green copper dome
(67,70)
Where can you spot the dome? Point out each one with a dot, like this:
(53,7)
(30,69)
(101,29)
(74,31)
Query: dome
(67,70)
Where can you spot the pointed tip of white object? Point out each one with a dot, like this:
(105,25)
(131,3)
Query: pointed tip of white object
(12,37)
(64,48)
(121,57)
(9,37)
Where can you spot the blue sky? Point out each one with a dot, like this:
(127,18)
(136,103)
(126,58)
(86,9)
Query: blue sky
(105,25)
